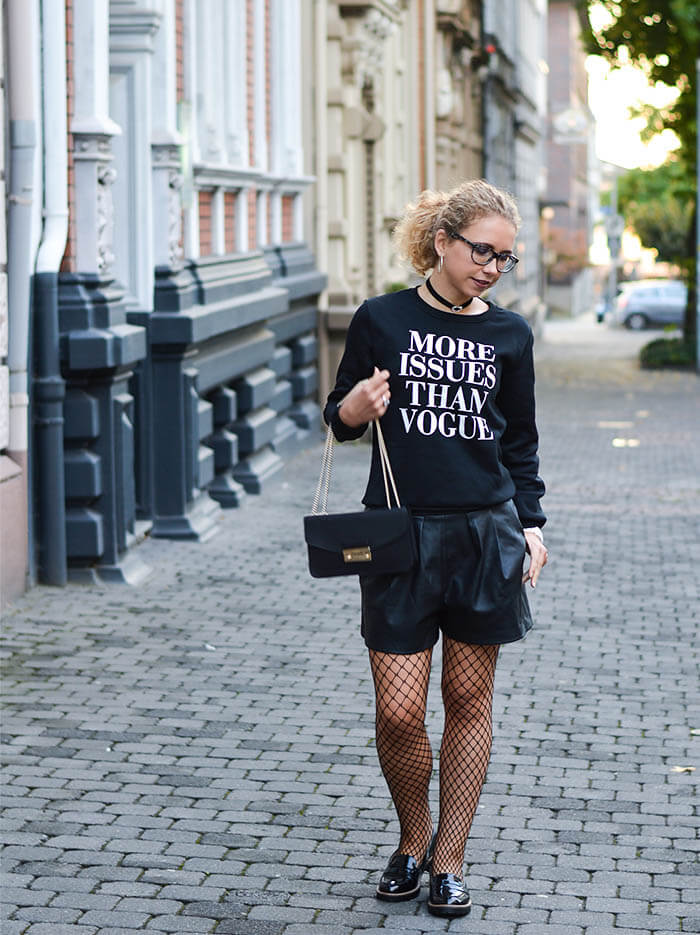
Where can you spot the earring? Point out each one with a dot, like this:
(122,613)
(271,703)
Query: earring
(441,263)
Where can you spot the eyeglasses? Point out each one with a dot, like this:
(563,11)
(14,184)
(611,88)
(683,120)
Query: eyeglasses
(483,253)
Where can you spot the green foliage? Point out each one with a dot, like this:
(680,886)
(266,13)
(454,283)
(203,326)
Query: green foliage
(656,203)
(668,352)
(663,37)
(664,225)
(640,185)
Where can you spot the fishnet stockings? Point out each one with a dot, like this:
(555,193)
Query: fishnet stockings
(467,692)
(405,756)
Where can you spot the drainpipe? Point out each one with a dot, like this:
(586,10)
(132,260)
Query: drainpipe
(23,222)
(319,57)
(49,386)
(484,96)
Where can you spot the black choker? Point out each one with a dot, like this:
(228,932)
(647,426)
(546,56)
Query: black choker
(436,295)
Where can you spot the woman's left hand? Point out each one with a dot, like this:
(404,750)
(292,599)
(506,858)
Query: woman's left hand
(538,557)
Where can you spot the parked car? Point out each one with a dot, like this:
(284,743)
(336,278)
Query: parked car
(647,302)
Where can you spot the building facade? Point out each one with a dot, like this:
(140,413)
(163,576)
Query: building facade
(173,357)
(571,164)
(200,193)
(514,117)
(422,94)
(13,449)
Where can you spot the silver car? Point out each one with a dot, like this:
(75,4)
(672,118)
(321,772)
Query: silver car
(650,302)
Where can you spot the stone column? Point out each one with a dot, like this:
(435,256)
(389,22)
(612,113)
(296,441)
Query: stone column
(165,142)
(93,133)
(99,348)
(132,30)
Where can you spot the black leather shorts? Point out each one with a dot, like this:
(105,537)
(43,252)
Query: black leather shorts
(467,583)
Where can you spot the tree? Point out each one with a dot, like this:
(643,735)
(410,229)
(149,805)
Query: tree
(663,38)
(654,203)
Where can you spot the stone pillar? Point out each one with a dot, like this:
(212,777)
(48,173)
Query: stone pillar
(93,133)
(132,29)
(165,141)
(99,349)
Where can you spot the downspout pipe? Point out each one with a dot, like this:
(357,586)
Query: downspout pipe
(23,221)
(49,386)
(484,97)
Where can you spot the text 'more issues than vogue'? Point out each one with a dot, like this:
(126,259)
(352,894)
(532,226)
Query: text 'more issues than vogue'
(448,381)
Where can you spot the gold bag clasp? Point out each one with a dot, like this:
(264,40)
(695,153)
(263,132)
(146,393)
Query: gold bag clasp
(361,554)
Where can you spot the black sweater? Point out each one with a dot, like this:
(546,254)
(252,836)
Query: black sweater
(460,428)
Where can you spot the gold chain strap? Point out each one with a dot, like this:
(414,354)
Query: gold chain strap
(320,504)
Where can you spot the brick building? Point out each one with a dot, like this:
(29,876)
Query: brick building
(200,194)
(174,297)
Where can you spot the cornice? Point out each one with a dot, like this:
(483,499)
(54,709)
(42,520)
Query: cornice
(125,17)
(390,8)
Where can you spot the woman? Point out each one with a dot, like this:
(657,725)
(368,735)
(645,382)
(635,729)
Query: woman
(451,376)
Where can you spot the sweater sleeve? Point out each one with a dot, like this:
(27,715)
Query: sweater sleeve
(516,400)
(356,364)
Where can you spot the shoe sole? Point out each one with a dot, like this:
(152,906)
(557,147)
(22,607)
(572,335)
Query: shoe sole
(449,911)
(411,894)
(397,897)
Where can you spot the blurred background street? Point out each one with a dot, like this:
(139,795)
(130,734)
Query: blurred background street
(198,195)
(196,755)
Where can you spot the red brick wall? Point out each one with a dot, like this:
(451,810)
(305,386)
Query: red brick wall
(68,262)
(206,243)
(180,49)
(252,219)
(250,113)
(287,218)
(250,80)
(230,222)
(268,82)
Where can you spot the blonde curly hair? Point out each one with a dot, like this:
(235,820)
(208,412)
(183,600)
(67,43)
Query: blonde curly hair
(414,235)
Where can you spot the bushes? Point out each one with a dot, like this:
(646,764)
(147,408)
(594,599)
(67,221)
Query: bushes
(667,352)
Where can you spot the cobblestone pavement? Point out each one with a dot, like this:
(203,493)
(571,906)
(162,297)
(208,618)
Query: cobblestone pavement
(196,754)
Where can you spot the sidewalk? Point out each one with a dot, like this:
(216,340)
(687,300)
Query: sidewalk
(196,755)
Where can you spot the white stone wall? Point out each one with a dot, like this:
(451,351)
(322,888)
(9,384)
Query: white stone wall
(373,140)
(219,35)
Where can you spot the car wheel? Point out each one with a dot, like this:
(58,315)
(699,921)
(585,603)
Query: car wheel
(636,321)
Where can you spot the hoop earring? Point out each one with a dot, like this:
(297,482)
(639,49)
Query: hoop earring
(441,263)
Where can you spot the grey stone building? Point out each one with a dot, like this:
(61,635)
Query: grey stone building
(514,127)
(173,363)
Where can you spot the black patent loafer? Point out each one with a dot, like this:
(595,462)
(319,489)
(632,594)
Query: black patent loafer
(448,896)
(402,876)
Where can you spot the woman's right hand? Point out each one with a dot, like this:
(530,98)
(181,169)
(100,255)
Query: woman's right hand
(367,400)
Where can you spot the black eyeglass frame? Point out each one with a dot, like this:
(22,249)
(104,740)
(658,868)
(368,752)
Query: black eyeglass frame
(505,258)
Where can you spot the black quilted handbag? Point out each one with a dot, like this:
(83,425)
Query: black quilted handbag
(371,542)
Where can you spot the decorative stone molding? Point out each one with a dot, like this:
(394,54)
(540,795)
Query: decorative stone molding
(129,18)
(106,175)
(363,46)
(175,250)
(389,8)
(94,178)
(167,204)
